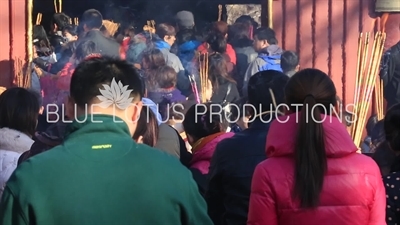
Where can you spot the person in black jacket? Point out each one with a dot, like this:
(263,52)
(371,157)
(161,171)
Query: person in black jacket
(390,74)
(92,21)
(235,159)
(58,23)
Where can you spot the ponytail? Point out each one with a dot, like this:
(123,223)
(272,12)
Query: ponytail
(310,156)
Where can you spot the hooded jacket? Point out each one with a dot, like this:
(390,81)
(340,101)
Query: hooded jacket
(186,53)
(352,193)
(259,62)
(12,144)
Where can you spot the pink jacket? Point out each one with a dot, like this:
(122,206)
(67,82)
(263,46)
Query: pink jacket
(352,194)
(204,151)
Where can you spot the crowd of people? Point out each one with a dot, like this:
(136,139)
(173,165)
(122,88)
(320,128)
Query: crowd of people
(167,158)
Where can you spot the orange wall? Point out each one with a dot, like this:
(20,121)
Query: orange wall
(325,35)
(13,37)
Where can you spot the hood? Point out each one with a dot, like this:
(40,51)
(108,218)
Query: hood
(139,38)
(162,45)
(272,50)
(153,107)
(189,46)
(13,140)
(282,133)
(203,150)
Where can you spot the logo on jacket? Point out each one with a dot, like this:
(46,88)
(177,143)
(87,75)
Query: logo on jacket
(115,93)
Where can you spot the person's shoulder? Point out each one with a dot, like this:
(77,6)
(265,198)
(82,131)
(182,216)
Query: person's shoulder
(158,157)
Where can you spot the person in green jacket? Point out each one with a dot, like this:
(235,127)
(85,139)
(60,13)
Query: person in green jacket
(99,175)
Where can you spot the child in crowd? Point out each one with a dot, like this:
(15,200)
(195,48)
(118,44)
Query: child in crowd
(165,93)
(204,130)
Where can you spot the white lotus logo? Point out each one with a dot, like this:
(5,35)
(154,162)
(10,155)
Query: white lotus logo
(116,94)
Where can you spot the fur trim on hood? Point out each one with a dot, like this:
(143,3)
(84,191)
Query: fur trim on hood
(15,141)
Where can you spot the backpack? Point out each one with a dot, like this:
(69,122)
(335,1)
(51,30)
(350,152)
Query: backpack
(272,62)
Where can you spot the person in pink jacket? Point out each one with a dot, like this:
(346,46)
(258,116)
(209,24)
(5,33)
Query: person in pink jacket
(313,173)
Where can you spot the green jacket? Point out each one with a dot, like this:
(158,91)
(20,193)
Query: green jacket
(99,175)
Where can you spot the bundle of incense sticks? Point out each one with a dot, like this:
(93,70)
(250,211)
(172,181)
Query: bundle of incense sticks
(194,88)
(59,8)
(368,65)
(76,21)
(39,18)
(150,26)
(203,70)
(219,12)
(111,26)
(21,73)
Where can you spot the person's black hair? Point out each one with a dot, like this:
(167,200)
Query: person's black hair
(217,42)
(313,89)
(38,96)
(384,158)
(267,34)
(71,29)
(147,127)
(19,110)
(258,91)
(289,61)
(372,121)
(200,122)
(90,75)
(61,20)
(246,19)
(185,35)
(84,49)
(92,19)
(392,127)
(239,35)
(39,33)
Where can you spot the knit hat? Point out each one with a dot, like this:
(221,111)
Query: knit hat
(185,19)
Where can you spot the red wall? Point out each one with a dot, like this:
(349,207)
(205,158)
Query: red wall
(13,37)
(325,34)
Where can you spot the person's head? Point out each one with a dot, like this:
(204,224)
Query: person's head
(147,128)
(70,33)
(264,37)
(289,61)
(153,59)
(220,27)
(184,20)
(265,88)
(88,83)
(39,33)
(19,110)
(59,21)
(218,70)
(313,89)
(248,20)
(84,49)
(39,99)
(384,157)
(239,35)
(166,77)
(216,42)
(392,127)
(166,32)
(201,120)
(92,19)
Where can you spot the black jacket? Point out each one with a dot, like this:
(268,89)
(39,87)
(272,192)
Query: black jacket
(390,73)
(244,56)
(231,171)
(227,91)
(104,45)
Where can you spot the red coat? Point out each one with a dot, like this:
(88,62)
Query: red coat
(352,194)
